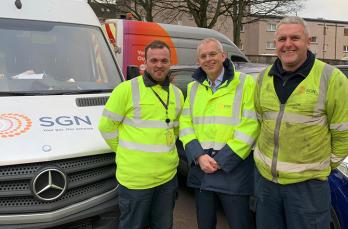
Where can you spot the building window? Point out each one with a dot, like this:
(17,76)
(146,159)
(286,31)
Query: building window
(345,48)
(271,27)
(241,47)
(270,45)
(314,39)
(346,32)
(242,28)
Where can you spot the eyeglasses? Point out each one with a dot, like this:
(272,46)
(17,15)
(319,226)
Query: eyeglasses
(205,56)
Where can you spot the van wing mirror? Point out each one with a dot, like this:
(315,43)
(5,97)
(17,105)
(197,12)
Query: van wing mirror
(132,71)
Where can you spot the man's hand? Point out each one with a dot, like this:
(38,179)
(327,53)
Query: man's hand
(207,163)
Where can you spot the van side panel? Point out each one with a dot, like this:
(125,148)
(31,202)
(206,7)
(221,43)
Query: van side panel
(139,34)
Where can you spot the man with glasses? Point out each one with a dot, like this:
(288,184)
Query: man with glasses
(218,127)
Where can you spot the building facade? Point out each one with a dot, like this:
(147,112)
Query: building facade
(329,38)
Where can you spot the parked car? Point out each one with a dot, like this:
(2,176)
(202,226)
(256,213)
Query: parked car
(343,68)
(338,181)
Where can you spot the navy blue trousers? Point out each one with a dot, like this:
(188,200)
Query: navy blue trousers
(148,207)
(304,205)
(235,207)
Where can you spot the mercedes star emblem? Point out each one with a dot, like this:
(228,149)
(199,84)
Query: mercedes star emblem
(49,184)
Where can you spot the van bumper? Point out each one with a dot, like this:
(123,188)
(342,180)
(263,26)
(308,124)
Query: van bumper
(100,212)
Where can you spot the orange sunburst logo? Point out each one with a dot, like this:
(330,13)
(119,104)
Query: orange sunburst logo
(13,124)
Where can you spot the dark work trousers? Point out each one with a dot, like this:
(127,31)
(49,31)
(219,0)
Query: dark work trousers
(304,205)
(152,207)
(235,207)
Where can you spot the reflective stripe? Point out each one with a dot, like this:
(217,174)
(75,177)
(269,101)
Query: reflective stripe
(276,143)
(249,114)
(185,111)
(136,98)
(292,167)
(109,135)
(186,131)
(259,82)
(296,118)
(138,122)
(212,145)
(146,148)
(193,95)
(243,137)
(177,100)
(149,123)
(339,127)
(260,78)
(336,159)
(324,80)
(236,108)
(113,116)
(215,120)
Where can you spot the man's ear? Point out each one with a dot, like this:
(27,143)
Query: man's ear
(224,54)
(309,39)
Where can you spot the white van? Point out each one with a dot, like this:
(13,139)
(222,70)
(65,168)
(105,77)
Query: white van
(56,73)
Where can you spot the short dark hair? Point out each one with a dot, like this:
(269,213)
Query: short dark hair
(156,44)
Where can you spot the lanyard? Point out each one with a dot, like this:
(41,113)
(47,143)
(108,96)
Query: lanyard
(165,105)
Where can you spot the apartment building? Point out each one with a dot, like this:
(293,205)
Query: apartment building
(329,37)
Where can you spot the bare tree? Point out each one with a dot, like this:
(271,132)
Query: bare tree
(247,11)
(205,13)
(147,9)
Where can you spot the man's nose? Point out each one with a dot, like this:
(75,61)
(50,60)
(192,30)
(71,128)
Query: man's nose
(208,57)
(288,42)
(159,64)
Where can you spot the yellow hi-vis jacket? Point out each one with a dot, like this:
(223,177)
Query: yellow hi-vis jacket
(308,135)
(224,119)
(134,125)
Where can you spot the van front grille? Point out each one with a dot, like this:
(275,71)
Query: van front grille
(87,177)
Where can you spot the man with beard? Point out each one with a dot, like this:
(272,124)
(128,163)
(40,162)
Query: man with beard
(140,123)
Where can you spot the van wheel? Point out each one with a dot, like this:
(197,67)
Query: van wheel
(335,224)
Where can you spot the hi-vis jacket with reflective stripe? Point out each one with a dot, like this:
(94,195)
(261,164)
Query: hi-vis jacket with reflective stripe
(134,125)
(224,125)
(307,136)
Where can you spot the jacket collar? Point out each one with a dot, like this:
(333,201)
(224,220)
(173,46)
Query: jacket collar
(150,82)
(200,76)
(303,70)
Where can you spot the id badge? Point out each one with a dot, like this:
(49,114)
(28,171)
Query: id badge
(170,137)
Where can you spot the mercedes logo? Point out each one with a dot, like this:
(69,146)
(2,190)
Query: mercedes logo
(49,184)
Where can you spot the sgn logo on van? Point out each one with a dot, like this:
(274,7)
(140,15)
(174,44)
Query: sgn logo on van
(66,123)
(14,124)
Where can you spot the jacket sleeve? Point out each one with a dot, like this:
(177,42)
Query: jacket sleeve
(337,110)
(187,134)
(113,114)
(239,147)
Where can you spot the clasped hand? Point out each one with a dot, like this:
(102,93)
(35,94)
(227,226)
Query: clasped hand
(207,163)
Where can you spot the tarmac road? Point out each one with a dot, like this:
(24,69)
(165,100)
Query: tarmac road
(185,212)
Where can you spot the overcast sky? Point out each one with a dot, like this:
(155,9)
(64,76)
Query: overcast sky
(328,9)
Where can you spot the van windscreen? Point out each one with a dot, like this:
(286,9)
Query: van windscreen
(41,57)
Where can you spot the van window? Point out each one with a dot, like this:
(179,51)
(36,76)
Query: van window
(52,57)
